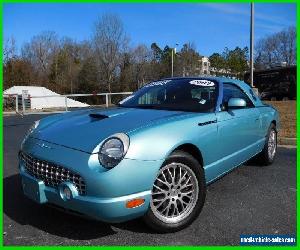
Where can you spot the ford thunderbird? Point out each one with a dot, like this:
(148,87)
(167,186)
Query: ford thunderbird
(150,156)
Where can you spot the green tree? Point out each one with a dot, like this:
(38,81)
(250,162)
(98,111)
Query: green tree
(17,71)
(188,61)
(236,61)
(65,67)
(217,61)
(87,79)
(156,52)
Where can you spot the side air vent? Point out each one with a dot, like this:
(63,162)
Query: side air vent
(98,116)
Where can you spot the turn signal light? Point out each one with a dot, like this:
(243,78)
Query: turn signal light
(135,203)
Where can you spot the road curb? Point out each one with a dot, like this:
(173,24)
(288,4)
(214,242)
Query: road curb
(287,141)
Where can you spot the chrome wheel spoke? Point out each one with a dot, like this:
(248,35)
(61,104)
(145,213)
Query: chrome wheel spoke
(187,192)
(158,188)
(182,178)
(162,173)
(176,208)
(160,203)
(183,202)
(186,184)
(159,192)
(159,200)
(163,182)
(168,209)
(171,176)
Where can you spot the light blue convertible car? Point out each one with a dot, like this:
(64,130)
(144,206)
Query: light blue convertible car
(153,155)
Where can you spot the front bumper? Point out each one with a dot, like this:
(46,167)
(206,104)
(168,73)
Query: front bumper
(107,192)
(104,209)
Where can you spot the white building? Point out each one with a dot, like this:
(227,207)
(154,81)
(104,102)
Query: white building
(204,66)
(53,100)
(206,69)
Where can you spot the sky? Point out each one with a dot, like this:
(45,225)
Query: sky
(211,27)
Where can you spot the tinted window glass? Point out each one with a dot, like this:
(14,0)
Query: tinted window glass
(195,95)
(232,91)
(254,96)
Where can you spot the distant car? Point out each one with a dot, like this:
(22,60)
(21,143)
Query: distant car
(275,95)
(153,155)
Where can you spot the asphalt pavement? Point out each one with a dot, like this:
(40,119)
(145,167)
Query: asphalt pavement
(249,200)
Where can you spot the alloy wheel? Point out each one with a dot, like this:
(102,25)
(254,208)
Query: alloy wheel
(174,193)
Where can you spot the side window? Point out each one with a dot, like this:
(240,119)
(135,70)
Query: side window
(151,97)
(232,91)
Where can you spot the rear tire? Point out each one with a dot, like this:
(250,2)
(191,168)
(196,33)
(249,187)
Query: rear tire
(178,194)
(267,155)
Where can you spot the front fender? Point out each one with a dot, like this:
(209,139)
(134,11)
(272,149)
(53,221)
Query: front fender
(159,141)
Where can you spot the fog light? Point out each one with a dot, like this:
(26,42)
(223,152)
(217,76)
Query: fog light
(67,193)
(135,203)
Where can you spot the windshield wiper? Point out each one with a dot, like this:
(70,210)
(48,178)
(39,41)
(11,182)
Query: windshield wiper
(138,106)
(147,106)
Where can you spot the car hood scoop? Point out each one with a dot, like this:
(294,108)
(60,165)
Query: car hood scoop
(97,116)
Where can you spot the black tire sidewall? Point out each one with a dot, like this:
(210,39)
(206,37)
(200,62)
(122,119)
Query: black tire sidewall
(194,165)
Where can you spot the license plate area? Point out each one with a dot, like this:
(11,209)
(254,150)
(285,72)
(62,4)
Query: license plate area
(34,189)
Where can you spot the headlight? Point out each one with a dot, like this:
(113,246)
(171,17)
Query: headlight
(113,150)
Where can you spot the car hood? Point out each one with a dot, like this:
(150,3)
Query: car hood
(84,130)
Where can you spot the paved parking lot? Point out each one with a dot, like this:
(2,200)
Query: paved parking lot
(249,200)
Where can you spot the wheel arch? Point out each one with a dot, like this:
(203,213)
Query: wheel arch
(192,150)
(275,124)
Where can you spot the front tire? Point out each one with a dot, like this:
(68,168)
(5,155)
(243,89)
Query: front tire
(178,194)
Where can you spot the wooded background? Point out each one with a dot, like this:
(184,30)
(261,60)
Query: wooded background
(107,62)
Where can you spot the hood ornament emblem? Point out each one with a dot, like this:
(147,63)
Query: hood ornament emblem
(43,145)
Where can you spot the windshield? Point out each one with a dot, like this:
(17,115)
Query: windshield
(193,95)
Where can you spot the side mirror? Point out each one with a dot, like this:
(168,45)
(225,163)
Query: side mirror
(235,103)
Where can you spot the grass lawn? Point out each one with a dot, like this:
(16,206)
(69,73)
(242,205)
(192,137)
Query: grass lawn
(287,112)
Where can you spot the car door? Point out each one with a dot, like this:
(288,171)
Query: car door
(238,129)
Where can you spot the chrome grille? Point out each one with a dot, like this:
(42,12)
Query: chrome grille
(51,174)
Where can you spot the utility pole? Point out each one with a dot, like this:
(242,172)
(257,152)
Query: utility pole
(251,43)
(172,62)
(172,59)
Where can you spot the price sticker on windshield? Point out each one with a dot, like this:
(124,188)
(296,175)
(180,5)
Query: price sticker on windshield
(204,83)
(157,83)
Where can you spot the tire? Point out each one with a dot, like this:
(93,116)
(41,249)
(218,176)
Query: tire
(179,166)
(266,157)
(285,99)
(273,98)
